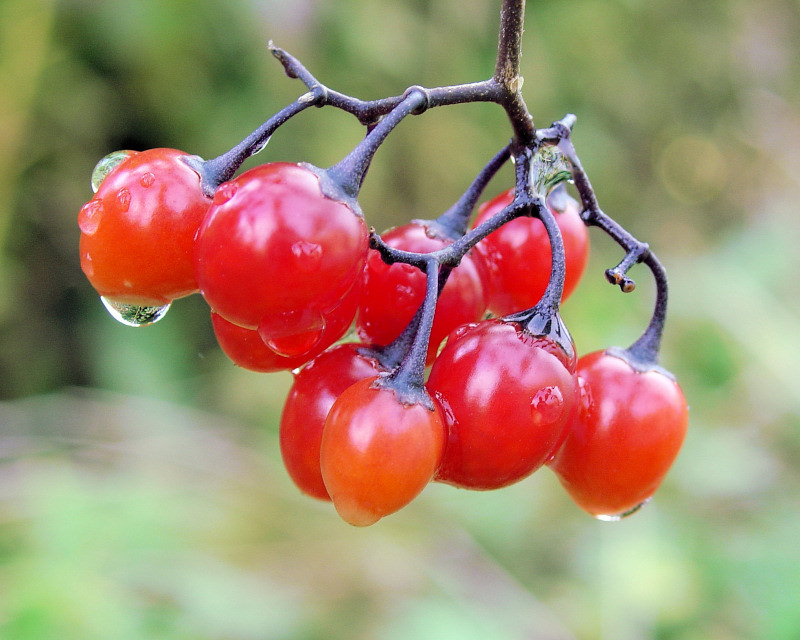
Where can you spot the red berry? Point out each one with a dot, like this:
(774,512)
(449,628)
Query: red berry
(377,453)
(508,397)
(518,256)
(311,397)
(137,232)
(393,293)
(625,436)
(276,254)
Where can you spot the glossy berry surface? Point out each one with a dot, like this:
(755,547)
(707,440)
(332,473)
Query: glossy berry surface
(246,348)
(507,396)
(626,434)
(275,254)
(336,321)
(392,294)
(316,387)
(137,233)
(377,453)
(518,256)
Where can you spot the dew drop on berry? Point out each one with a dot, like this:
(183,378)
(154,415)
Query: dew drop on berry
(124,198)
(547,405)
(307,255)
(132,315)
(87,265)
(405,291)
(459,331)
(147,179)
(107,165)
(619,516)
(292,333)
(225,192)
(89,217)
(296,345)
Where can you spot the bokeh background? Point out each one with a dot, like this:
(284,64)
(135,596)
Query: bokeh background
(141,490)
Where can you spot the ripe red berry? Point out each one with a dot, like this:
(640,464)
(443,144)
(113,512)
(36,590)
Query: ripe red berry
(626,434)
(508,397)
(276,254)
(378,453)
(518,256)
(137,232)
(392,293)
(311,397)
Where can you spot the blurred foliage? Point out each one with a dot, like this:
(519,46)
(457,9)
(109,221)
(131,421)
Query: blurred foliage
(141,490)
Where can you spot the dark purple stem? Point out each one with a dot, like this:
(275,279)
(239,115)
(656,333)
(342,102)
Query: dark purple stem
(408,380)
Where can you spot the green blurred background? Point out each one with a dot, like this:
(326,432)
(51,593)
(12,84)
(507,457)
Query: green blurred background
(141,490)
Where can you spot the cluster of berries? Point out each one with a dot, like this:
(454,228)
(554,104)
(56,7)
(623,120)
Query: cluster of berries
(462,372)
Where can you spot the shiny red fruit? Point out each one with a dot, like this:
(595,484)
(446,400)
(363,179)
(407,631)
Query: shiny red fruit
(274,253)
(392,294)
(508,398)
(518,256)
(137,232)
(311,397)
(377,453)
(626,434)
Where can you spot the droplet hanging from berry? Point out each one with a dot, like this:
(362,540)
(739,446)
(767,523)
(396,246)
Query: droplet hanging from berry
(132,315)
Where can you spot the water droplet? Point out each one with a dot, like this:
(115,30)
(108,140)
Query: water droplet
(260,147)
(549,168)
(292,333)
(619,516)
(89,217)
(547,405)
(107,165)
(87,265)
(133,315)
(147,179)
(405,291)
(307,255)
(124,198)
(558,199)
(461,330)
(296,345)
(225,192)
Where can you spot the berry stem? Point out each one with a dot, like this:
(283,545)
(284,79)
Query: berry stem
(504,88)
(645,351)
(222,168)
(349,172)
(453,223)
(544,318)
(408,380)
(455,219)
(506,73)
(369,112)
(551,298)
